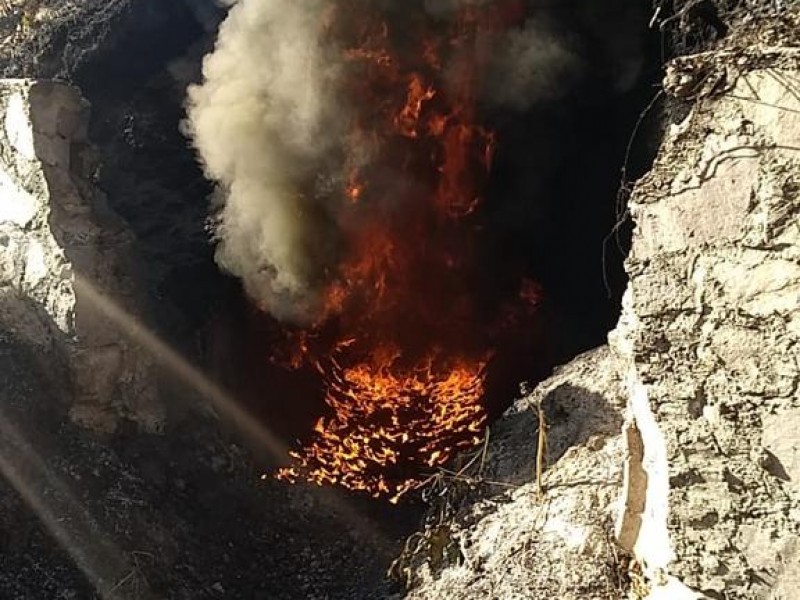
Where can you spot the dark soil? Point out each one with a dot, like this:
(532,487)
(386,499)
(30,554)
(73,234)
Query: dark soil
(180,516)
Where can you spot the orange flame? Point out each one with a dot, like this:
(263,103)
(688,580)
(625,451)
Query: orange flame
(378,431)
(403,392)
(407,120)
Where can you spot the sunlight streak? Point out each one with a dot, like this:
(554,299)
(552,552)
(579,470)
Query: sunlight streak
(220,399)
(58,509)
(179,366)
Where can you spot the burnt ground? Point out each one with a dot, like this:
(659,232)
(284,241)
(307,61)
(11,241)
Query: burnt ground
(179,516)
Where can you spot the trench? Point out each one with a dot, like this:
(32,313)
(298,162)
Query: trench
(553,214)
(554,210)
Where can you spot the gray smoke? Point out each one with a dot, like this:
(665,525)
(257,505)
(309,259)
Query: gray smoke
(532,65)
(271,131)
(264,118)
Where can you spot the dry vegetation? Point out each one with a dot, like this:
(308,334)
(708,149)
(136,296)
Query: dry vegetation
(691,26)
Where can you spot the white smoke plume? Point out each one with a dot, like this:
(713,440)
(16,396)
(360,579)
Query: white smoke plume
(271,130)
(262,120)
(532,65)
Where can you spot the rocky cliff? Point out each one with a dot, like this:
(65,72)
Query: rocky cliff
(55,229)
(710,330)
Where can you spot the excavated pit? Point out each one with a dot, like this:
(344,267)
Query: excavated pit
(553,214)
(553,208)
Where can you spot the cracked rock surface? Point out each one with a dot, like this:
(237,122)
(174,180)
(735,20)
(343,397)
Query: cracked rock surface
(56,233)
(699,463)
(711,328)
(514,543)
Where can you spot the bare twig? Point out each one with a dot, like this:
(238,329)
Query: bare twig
(624,190)
(484,453)
(458,476)
(541,448)
(134,572)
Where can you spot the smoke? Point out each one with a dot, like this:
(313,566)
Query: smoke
(533,64)
(271,128)
(263,121)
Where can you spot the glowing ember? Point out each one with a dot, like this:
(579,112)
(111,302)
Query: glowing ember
(400,347)
(389,422)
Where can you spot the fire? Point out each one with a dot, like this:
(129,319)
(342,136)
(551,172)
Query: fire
(400,346)
(407,120)
(378,433)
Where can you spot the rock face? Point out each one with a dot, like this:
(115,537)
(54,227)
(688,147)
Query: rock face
(516,543)
(64,38)
(132,59)
(56,235)
(710,330)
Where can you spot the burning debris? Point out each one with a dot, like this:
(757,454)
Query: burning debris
(352,155)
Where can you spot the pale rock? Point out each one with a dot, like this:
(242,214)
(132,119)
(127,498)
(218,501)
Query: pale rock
(54,228)
(19,207)
(781,437)
(520,546)
(710,334)
(19,131)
